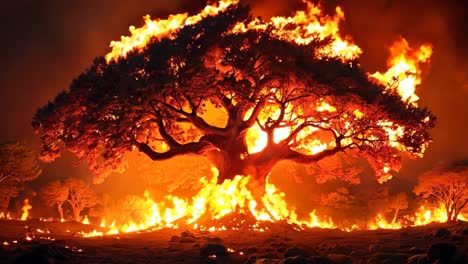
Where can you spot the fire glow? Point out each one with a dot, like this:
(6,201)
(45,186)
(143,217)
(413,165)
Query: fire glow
(232,204)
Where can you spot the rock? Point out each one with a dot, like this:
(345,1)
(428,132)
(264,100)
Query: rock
(175,239)
(391,257)
(342,250)
(340,258)
(319,260)
(415,250)
(267,261)
(187,240)
(187,233)
(250,250)
(214,240)
(441,251)
(214,249)
(295,251)
(374,248)
(295,260)
(457,238)
(442,232)
(418,259)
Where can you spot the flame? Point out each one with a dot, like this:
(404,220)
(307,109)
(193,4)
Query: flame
(302,28)
(85,220)
(404,69)
(26,207)
(235,197)
(160,28)
(217,201)
(4,215)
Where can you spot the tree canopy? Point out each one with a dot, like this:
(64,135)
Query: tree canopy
(18,164)
(244,99)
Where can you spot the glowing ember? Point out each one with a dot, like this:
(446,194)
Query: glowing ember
(26,207)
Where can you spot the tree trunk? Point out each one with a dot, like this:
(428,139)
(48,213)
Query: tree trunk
(395,216)
(76,214)
(60,210)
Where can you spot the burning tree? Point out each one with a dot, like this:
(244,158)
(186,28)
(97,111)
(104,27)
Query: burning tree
(448,186)
(75,192)
(55,195)
(18,164)
(242,92)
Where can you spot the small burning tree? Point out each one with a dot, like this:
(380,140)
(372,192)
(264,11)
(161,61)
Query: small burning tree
(18,164)
(77,193)
(397,203)
(55,195)
(448,186)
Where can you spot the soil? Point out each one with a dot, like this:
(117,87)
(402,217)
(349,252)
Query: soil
(55,242)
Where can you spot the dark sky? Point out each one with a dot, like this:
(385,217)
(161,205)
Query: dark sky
(45,44)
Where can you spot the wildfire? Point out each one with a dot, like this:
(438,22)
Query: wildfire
(26,207)
(234,196)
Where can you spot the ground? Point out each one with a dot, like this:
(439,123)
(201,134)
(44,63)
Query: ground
(55,242)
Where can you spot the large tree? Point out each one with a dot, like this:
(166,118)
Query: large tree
(245,100)
(446,185)
(18,164)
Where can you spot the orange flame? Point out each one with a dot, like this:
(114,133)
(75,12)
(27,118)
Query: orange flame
(404,72)
(26,207)
(160,28)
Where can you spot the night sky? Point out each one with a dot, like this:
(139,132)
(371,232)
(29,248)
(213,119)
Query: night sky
(45,44)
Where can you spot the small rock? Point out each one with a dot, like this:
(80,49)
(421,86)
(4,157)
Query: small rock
(175,239)
(295,251)
(295,260)
(267,261)
(441,251)
(392,257)
(340,258)
(442,232)
(214,240)
(187,233)
(250,250)
(418,259)
(374,248)
(214,249)
(319,260)
(457,238)
(187,240)
(415,250)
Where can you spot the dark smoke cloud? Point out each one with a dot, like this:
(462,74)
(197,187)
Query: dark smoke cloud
(45,44)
